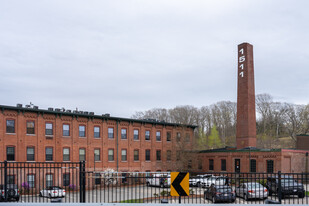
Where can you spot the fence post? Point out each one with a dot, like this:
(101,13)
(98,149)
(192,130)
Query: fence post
(82,182)
(5,181)
(279,187)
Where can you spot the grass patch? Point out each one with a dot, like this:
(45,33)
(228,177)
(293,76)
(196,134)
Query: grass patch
(133,201)
(307,193)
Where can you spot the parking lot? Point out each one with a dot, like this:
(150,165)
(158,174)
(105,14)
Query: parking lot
(152,194)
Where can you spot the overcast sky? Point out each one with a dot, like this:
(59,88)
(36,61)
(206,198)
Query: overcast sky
(120,57)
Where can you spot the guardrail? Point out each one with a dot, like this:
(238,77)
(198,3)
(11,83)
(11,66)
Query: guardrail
(73,183)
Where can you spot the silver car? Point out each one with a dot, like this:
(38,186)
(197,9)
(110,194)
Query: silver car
(251,190)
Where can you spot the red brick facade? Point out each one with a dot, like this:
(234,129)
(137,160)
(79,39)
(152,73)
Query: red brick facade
(40,140)
(284,160)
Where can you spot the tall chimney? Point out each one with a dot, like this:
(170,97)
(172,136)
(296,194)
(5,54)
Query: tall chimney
(246,120)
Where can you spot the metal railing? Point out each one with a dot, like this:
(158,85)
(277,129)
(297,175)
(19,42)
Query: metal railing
(72,182)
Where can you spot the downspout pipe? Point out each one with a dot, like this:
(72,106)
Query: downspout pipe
(117,133)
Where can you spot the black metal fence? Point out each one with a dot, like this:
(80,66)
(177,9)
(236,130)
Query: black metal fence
(72,182)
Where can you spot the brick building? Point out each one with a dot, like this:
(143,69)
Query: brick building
(246,157)
(29,134)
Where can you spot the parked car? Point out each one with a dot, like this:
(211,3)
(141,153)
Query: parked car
(199,180)
(12,192)
(52,191)
(251,190)
(161,180)
(216,180)
(220,193)
(289,186)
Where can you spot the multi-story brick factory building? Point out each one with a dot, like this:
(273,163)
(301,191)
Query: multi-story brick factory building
(30,134)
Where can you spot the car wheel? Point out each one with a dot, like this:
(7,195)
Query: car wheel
(270,192)
(17,199)
(213,199)
(40,194)
(246,197)
(148,184)
(49,195)
(301,195)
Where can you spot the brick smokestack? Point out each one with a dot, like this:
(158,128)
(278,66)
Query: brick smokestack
(246,120)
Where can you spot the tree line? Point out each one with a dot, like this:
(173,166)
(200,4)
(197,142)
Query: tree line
(277,123)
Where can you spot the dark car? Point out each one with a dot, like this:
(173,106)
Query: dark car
(218,193)
(289,186)
(12,192)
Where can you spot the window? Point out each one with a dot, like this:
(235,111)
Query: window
(147,135)
(49,129)
(110,155)
(178,155)
(31,181)
(147,155)
(97,179)
(124,155)
(66,130)
(187,138)
(49,154)
(200,164)
(30,127)
(158,155)
(136,137)
(189,164)
(178,137)
(252,165)
(211,164)
(82,130)
(96,132)
(66,179)
(10,126)
(136,155)
(30,153)
(66,154)
(123,133)
(158,136)
(10,153)
(11,179)
(49,180)
(82,154)
(270,166)
(111,133)
(168,155)
(97,156)
(223,165)
(168,136)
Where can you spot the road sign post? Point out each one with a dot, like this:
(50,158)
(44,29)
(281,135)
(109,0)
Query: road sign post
(179,184)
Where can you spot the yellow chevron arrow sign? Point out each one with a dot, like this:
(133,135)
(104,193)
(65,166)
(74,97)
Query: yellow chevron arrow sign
(179,184)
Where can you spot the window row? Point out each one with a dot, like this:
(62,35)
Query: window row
(252,166)
(49,180)
(49,154)
(49,131)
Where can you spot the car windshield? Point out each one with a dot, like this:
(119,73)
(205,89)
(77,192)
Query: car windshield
(254,185)
(212,178)
(288,181)
(223,190)
(57,188)
(11,186)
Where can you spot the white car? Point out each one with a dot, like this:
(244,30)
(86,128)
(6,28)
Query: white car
(52,191)
(216,180)
(161,180)
(199,180)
